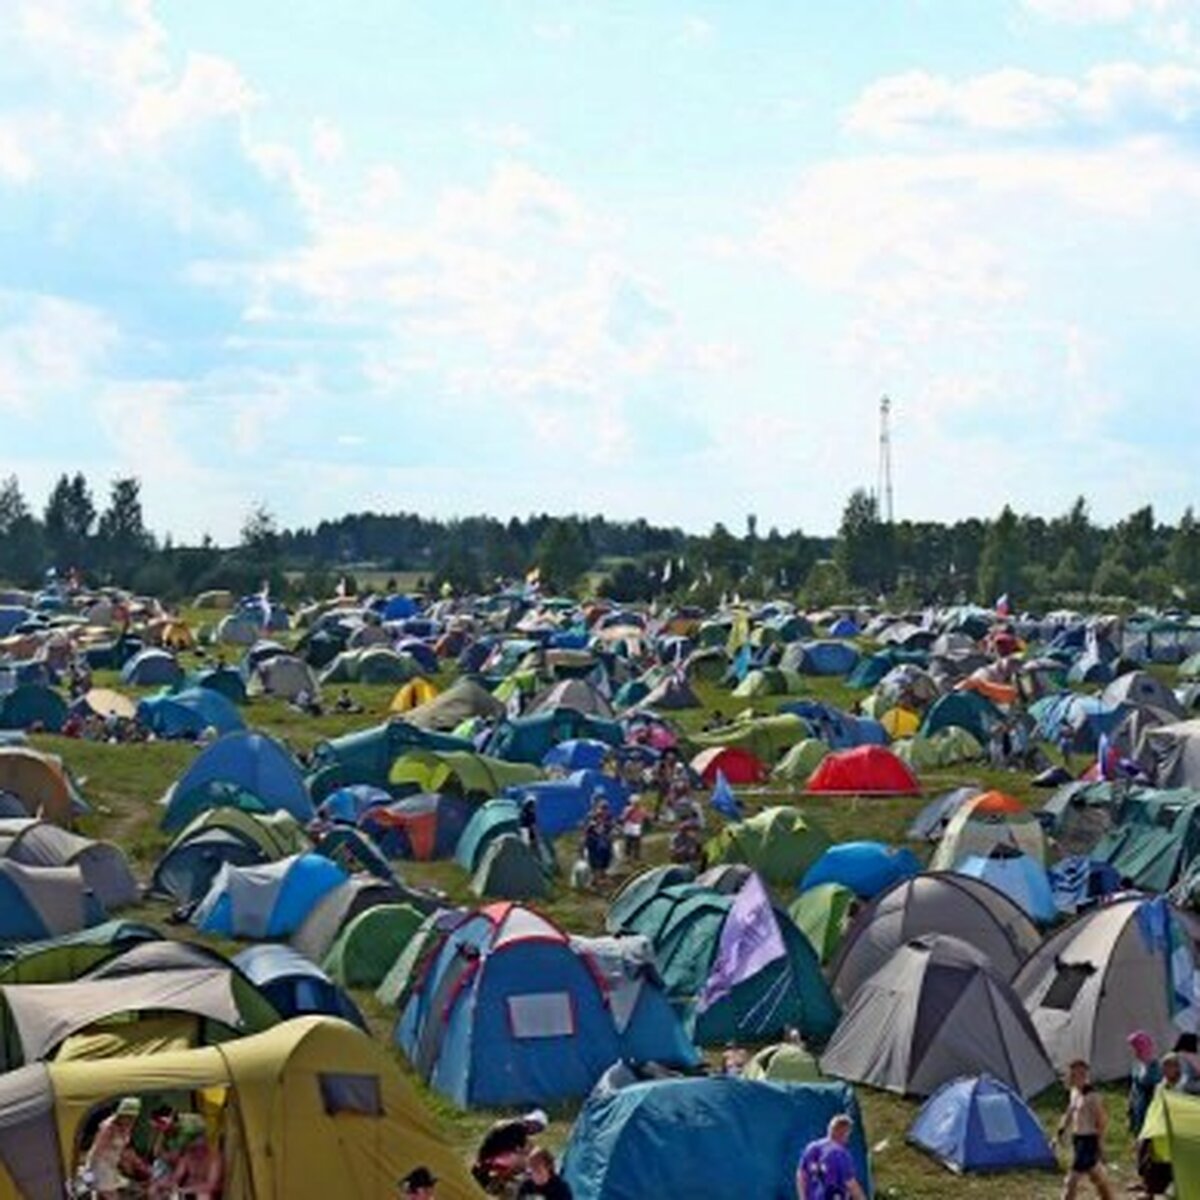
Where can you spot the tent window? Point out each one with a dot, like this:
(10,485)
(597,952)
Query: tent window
(1070,978)
(541,1015)
(358,1094)
(997,1119)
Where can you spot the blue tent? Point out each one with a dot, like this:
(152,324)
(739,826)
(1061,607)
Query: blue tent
(1021,878)
(244,770)
(348,804)
(44,902)
(843,627)
(295,986)
(641,1139)
(866,868)
(509,1010)
(563,804)
(152,668)
(963,710)
(491,820)
(189,713)
(399,608)
(33,705)
(837,729)
(977,1123)
(576,754)
(270,900)
(225,680)
(1087,716)
(828,658)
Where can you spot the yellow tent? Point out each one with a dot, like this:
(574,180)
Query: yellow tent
(104,701)
(413,694)
(1173,1122)
(900,722)
(312,1108)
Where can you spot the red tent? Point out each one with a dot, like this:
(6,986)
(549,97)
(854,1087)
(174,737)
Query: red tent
(864,771)
(737,765)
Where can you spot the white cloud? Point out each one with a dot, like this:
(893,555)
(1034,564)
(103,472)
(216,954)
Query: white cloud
(1018,101)
(504,135)
(554,31)
(1102,12)
(16,164)
(697,30)
(328,141)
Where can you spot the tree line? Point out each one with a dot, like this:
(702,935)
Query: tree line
(1036,561)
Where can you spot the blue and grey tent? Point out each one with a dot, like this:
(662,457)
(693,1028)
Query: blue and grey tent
(33,706)
(639,1138)
(44,902)
(271,900)
(187,714)
(866,868)
(1021,878)
(295,986)
(977,1123)
(152,668)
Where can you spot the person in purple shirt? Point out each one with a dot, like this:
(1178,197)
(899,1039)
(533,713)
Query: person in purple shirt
(826,1169)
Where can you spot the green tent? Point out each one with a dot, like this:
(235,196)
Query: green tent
(800,761)
(638,889)
(61,959)
(822,914)
(779,843)
(684,923)
(962,710)
(395,987)
(460,770)
(510,870)
(367,947)
(783,1063)
(946,748)
(1173,1125)
(765,737)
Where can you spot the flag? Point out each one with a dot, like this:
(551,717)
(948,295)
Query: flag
(264,604)
(750,940)
(666,575)
(340,590)
(1003,607)
(723,800)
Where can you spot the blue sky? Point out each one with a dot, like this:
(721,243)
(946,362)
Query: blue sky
(643,258)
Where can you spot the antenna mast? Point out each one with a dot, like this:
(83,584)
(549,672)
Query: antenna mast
(883,489)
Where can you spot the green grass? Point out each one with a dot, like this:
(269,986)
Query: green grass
(124,784)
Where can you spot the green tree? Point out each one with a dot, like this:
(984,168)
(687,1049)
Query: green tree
(69,517)
(562,555)
(1184,557)
(865,545)
(20,535)
(260,535)
(124,539)
(1003,557)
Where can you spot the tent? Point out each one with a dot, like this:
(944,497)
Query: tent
(39,781)
(294,986)
(578,754)
(779,843)
(578,695)
(71,955)
(103,702)
(1173,1125)
(44,902)
(459,771)
(1143,690)
(737,765)
(426,826)
(489,821)
(800,761)
(187,714)
(266,901)
(691,930)
(783,1062)
(942,903)
(152,668)
(413,695)
(976,1123)
(463,699)
(863,771)
(223,680)
(1108,972)
(866,868)
(104,867)
(1021,878)
(217,836)
(641,1139)
(946,748)
(284,676)
(312,1107)
(348,804)
(827,658)
(527,739)
(243,770)
(984,822)
(510,870)
(936,1009)
(900,722)
(767,738)
(509,1010)
(823,913)
(930,823)
(32,706)
(368,945)
(962,710)
(671,694)
(1171,754)
(563,804)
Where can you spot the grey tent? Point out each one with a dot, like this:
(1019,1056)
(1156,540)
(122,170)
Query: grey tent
(284,676)
(936,903)
(104,867)
(463,699)
(934,1011)
(1142,690)
(338,908)
(1093,982)
(575,694)
(672,693)
(1171,754)
(29,1147)
(509,870)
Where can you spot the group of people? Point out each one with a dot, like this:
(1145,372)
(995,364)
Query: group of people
(171,1156)
(511,1165)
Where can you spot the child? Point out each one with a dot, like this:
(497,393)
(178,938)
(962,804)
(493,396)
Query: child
(1087,1121)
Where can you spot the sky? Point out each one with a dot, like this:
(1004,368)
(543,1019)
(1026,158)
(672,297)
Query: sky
(637,257)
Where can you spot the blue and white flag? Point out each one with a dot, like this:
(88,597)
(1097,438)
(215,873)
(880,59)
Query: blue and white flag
(723,800)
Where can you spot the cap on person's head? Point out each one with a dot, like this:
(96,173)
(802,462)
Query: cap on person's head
(536,1119)
(418,1178)
(129,1106)
(1141,1043)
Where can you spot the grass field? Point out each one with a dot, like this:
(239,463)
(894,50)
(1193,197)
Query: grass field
(124,783)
